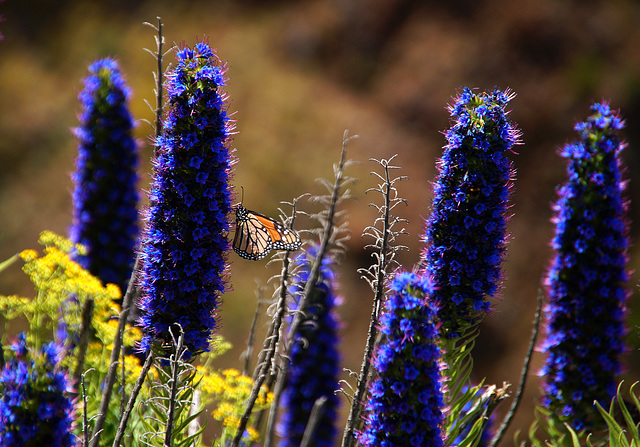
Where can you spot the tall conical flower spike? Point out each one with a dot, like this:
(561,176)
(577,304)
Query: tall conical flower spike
(105,198)
(35,405)
(315,361)
(466,231)
(585,312)
(185,245)
(405,401)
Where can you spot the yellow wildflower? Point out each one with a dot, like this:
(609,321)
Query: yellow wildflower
(62,289)
(28,255)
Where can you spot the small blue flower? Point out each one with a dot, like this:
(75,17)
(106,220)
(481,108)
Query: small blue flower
(315,361)
(585,311)
(466,232)
(35,408)
(184,247)
(105,198)
(405,402)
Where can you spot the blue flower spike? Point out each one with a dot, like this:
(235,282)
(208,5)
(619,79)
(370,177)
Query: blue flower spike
(587,295)
(405,398)
(315,360)
(466,232)
(35,405)
(105,198)
(185,243)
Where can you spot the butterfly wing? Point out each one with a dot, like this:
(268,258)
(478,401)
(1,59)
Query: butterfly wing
(252,240)
(282,238)
(257,234)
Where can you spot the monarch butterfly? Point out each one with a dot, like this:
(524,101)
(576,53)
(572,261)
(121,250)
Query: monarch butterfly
(256,235)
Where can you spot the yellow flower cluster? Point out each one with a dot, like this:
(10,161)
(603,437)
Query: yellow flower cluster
(62,289)
(55,272)
(231,390)
(98,357)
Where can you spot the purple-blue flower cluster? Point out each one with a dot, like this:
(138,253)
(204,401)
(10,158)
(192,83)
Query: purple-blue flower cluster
(585,311)
(405,401)
(466,231)
(105,198)
(315,360)
(185,245)
(35,409)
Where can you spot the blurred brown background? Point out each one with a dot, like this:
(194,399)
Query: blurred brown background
(301,72)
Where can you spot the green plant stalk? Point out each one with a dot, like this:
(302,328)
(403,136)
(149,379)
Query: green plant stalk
(523,376)
(132,400)
(168,439)
(115,354)
(356,403)
(87,313)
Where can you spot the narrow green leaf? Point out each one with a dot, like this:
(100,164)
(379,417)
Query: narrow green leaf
(616,434)
(183,424)
(631,425)
(574,437)
(632,393)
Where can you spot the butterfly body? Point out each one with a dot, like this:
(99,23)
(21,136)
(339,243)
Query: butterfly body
(257,234)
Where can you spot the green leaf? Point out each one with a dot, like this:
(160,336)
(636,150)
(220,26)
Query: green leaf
(473,437)
(616,433)
(554,434)
(184,424)
(574,437)
(456,377)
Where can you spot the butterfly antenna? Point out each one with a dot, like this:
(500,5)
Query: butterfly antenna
(241,196)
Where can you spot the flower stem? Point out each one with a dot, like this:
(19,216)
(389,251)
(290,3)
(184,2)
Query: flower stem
(314,419)
(87,313)
(173,397)
(356,403)
(523,376)
(113,362)
(132,400)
